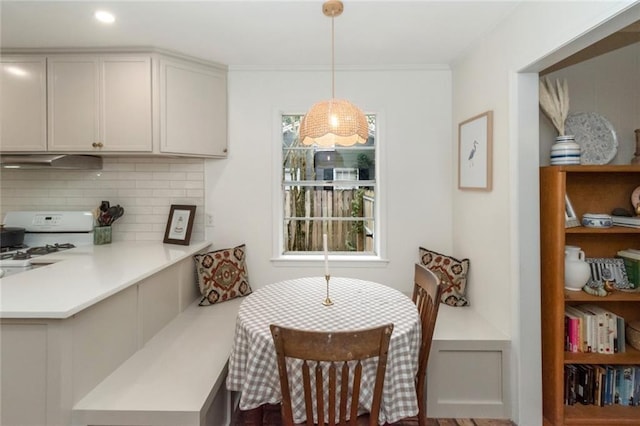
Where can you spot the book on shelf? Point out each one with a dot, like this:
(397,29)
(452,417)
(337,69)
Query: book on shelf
(636,386)
(571,384)
(607,328)
(622,343)
(608,385)
(626,381)
(602,385)
(585,384)
(572,331)
(600,374)
(575,384)
(587,324)
(631,221)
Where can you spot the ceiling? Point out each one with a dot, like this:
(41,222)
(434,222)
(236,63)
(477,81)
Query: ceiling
(243,33)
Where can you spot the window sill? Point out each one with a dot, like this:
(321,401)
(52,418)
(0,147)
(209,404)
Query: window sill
(338,261)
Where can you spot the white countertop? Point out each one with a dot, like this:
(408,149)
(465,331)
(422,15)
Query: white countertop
(84,276)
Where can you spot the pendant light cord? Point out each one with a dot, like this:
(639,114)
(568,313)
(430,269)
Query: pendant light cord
(333,71)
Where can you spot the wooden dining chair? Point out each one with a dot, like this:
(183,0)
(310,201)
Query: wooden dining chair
(426,295)
(342,353)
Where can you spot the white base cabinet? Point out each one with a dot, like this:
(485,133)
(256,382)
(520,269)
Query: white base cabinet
(48,365)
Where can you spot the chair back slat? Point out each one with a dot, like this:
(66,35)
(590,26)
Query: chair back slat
(332,394)
(319,398)
(337,353)
(356,393)
(427,292)
(344,392)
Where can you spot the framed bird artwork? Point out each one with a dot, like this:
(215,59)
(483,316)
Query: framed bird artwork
(475,140)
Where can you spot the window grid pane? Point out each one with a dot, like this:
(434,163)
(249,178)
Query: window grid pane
(327,191)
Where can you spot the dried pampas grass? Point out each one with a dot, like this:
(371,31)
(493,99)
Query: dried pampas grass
(554,101)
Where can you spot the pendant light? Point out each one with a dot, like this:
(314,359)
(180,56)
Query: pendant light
(335,121)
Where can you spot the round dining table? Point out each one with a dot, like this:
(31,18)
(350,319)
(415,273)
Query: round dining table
(298,303)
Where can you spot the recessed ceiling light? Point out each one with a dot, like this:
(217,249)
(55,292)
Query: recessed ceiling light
(104,17)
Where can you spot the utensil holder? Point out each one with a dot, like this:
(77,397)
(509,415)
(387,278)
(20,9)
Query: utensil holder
(101,235)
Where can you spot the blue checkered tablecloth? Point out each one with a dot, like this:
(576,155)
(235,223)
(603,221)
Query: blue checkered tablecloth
(298,304)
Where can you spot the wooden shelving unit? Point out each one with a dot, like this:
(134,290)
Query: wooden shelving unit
(591,189)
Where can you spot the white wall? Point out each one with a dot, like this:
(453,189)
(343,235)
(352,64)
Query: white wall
(506,247)
(145,186)
(608,85)
(414,113)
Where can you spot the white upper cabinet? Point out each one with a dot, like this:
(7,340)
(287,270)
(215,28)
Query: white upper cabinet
(126,113)
(193,108)
(23,95)
(106,102)
(100,103)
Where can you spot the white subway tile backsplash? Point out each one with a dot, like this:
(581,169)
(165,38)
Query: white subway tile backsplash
(186,184)
(195,176)
(120,166)
(32,192)
(140,211)
(187,167)
(169,193)
(58,193)
(155,184)
(152,167)
(145,186)
(180,176)
(195,193)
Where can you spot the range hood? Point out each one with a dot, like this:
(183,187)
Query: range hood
(51,162)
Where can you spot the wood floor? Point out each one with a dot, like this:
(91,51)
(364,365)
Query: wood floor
(271,417)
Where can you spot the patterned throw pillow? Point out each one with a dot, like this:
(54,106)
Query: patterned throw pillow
(452,273)
(222,275)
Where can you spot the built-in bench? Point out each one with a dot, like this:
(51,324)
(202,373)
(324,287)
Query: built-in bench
(176,378)
(468,373)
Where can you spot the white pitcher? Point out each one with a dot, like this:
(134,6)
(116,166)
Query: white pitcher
(576,270)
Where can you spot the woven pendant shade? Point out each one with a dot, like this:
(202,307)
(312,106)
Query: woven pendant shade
(334,122)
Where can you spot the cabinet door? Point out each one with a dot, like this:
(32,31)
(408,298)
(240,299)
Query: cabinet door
(193,109)
(23,359)
(73,103)
(100,104)
(125,120)
(23,104)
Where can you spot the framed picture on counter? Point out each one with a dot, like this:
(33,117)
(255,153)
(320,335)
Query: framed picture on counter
(179,224)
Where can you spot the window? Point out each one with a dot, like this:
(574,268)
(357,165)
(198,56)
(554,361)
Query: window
(328,191)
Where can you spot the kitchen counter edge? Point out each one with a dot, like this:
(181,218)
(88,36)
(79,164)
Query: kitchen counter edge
(76,279)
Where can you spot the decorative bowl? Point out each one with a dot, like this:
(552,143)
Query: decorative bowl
(593,220)
(633,334)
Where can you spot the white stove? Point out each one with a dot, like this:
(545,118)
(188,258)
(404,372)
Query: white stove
(45,232)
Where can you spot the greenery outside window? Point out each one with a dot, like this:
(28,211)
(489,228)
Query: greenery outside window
(328,190)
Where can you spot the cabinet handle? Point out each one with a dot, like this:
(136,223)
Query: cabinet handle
(224,150)
(97,145)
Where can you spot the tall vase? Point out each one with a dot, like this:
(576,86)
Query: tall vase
(636,156)
(576,270)
(565,151)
